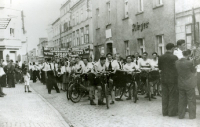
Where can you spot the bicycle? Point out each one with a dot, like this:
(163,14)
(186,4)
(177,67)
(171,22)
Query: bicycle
(77,90)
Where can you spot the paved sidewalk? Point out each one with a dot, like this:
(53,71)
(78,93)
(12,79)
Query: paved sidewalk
(20,109)
(122,114)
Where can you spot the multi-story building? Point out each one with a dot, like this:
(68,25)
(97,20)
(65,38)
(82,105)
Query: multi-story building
(82,27)
(12,32)
(129,26)
(188,14)
(50,36)
(73,29)
(43,42)
(32,55)
(66,28)
(56,33)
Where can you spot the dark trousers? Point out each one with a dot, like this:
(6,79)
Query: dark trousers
(51,82)
(187,97)
(11,80)
(43,80)
(198,81)
(38,75)
(169,99)
(34,76)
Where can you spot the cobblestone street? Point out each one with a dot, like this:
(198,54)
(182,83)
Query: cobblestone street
(122,114)
(20,109)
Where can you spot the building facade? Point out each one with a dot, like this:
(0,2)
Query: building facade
(129,26)
(43,42)
(74,28)
(50,36)
(12,32)
(188,14)
(32,55)
(56,33)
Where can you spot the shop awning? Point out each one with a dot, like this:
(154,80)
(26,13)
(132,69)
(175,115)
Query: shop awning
(4,22)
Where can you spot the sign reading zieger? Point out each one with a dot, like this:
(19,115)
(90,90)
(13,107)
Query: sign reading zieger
(141,27)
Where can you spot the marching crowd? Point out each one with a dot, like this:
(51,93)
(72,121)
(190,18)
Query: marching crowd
(176,67)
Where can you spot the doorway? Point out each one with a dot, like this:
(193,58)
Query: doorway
(109,48)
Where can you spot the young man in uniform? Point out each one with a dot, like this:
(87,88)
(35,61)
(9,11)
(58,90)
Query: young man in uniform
(111,65)
(50,77)
(99,69)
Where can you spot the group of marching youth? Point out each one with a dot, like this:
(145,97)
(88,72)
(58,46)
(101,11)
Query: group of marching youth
(105,64)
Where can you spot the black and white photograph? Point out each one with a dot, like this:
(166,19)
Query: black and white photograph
(99,63)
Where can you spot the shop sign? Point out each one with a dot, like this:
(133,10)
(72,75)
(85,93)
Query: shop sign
(141,27)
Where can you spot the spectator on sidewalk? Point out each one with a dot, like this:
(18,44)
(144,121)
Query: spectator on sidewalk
(11,74)
(169,77)
(26,77)
(186,84)
(2,73)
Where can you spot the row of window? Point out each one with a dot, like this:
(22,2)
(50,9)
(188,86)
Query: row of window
(159,45)
(80,37)
(126,10)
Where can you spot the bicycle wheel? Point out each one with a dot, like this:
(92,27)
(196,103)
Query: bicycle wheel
(74,93)
(67,92)
(106,95)
(148,89)
(135,91)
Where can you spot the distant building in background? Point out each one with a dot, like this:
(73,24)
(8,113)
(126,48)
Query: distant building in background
(188,14)
(74,29)
(56,33)
(32,55)
(43,42)
(50,36)
(12,32)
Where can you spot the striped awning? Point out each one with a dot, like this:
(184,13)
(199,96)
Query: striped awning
(4,22)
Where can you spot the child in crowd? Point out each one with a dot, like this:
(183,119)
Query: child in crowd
(26,80)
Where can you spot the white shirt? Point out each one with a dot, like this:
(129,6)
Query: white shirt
(114,64)
(198,68)
(1,71)
(88,67)
(26,77)
(130,66)
(79,66)
(144,63)
(34,68)
(137,61)
(30,67)
(99,67)
(154,64)
(178,53)
(47,67)
(119,62)
(63,69)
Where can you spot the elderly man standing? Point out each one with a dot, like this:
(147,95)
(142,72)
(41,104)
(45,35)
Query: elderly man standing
(186,84)
(166,63)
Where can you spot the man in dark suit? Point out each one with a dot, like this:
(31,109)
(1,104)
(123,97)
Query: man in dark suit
(186,84)
(11,74)
(166,64)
